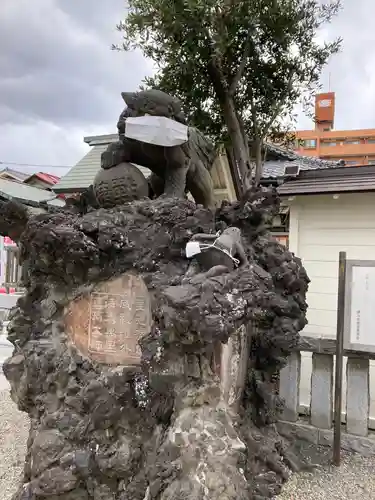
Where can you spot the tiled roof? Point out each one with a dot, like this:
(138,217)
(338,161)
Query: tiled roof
(335,180)
(282,157)
(82,175)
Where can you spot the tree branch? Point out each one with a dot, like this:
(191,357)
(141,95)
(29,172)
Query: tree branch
(277,109)
(241,68)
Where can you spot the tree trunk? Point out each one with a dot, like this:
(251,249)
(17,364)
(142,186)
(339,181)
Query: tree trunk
(234,172)
(240,152)
(258,160)
(238,143)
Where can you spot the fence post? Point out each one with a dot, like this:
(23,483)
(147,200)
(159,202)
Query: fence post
(289,387)
(321,406)
(357,396)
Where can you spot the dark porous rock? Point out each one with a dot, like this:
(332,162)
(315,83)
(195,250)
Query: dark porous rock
(159,429)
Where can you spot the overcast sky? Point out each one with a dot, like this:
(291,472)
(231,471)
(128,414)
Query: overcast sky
(59,80)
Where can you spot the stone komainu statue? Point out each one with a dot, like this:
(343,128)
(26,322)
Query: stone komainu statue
(175,170)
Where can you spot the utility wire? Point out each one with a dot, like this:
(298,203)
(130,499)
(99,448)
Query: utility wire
(33,165)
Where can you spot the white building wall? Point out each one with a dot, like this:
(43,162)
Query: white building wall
(320,227)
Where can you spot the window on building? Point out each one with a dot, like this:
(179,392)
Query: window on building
(325,103)
(351,162)
(353,141)
(371,140)
(329,143)
(309,143)
(371,161)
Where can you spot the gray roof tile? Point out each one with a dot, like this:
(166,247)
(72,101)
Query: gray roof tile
(285,157)
(335,180)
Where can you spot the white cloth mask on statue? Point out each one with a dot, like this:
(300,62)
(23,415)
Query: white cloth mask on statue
(192,248)
(157,130)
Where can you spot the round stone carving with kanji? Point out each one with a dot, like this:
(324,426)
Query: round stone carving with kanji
(107,324)
(120,184)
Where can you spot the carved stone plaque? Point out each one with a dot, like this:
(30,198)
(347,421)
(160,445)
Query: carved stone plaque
(107,324)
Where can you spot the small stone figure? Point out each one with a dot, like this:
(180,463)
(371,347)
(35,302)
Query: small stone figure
(174,169)
(216,253)
(120,184)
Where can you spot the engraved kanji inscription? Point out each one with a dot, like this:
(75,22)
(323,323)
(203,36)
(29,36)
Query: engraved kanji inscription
(107,324)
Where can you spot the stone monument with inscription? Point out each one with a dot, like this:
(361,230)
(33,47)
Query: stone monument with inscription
(150,335)
(106,324)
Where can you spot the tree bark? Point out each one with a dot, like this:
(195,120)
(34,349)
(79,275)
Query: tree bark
(258,160)
(228,107)
(240,152)
(234,172)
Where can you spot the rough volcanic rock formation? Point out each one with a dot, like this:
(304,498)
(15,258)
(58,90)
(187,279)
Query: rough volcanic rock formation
(161,430)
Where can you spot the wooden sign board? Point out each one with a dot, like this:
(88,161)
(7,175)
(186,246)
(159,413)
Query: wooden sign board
(359,330)
(107,324)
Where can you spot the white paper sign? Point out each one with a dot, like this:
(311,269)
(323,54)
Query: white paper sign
(157,130)
(362,310)
(192,248)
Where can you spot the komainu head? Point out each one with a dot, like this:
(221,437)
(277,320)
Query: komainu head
(150,102)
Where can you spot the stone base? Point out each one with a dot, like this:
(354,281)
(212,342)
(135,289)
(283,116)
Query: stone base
(324,437)
(99,429)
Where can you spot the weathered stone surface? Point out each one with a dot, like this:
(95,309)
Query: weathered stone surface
(322,391)
(357,396)
(300,431)
(120,184)
(289,386)
(198,439)
(363,445)
(122,432)
(107,323)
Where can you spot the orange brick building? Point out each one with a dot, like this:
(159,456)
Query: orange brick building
(355,147)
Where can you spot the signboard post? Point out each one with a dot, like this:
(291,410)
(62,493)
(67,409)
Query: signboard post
(339,359)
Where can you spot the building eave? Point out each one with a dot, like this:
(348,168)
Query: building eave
(96,140)
(330,181)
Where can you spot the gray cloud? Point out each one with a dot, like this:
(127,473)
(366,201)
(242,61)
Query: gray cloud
(59,80)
